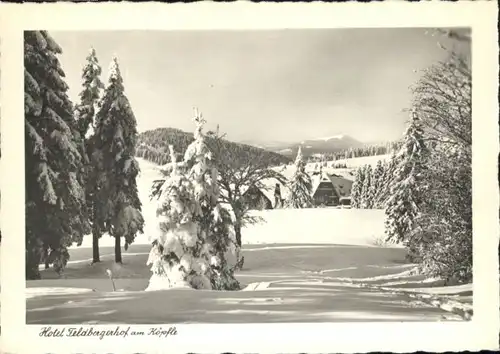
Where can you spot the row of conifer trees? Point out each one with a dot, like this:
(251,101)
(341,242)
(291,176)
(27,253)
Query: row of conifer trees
(370,189)
(80,166)
(426,186)
(81,178)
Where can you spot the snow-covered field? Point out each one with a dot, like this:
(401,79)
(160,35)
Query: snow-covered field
(326,225)
(315,265)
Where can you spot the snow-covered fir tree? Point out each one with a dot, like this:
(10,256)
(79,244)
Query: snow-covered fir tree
(377,184)
(366,197)
(116,168)
(380,196)
(356,189)
(387,179)
(85,113)
(55,197)
(300,185)
(407,191)
(90,95)
(196,245)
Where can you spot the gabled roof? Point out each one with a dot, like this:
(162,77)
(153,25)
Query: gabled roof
(269,184)
(339,181)
(341,185)
(262,192)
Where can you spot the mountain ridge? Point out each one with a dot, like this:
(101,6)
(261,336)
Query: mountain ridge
(322,145)
(153,145)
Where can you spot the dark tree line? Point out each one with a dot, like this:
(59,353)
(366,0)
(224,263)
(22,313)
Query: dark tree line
(367,150)
(153,146)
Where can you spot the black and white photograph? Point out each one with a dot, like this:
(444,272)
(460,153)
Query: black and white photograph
(249,178)
(273,176)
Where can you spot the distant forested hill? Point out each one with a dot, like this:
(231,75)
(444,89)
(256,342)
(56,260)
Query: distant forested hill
(153,146)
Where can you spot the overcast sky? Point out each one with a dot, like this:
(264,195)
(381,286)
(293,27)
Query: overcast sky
(281,85)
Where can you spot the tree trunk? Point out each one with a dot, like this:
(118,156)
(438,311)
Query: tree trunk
(118,250)
(240,259)
(33,258)
(95,245)
(95,236)
(237,231)
(46,258)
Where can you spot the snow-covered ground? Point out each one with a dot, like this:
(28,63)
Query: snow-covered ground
(319,225)
(282,283)
(314,265)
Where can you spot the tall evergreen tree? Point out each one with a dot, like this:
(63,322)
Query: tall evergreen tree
(116,167)
(55,198)
(407,191)
(387,179)
(366,198)
(300,185)
(85,114)
(356,196)
(377,184)
(90,95)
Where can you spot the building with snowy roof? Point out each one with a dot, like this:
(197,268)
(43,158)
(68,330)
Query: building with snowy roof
(328,189)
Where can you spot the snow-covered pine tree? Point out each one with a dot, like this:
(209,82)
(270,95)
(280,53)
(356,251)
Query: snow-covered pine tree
(387,179)
(196,244)
(376,185)
(90,95)
(380,195)
(300,185)
(116,168)
(55,197)
(366,198)
(216,223)
(356,197)
(407,190)
(85,113)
